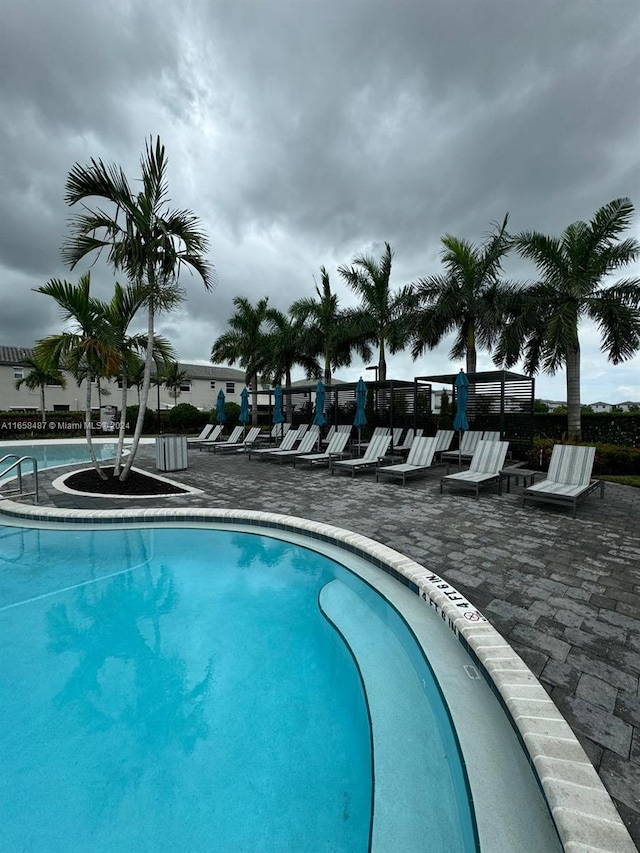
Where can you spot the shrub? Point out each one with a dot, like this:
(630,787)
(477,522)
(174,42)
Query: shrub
(609,459)
(186,418)
(232,413)
(148,425)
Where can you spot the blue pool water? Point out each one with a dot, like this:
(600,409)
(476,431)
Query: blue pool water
(167,690)
(56,453)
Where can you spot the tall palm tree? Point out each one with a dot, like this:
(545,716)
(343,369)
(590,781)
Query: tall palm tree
(382,316)
(40,375)
(86,350)
(470,298)
(173,379)
(142,236)
(573,270)
(244,344)
(286,345)
(329,332)
(118,314)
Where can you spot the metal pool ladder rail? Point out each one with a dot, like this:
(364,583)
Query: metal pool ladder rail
(19,492)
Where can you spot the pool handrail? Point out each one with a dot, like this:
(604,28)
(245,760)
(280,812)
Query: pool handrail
(19,493)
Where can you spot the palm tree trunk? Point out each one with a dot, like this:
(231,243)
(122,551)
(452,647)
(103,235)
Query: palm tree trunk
(144,396)
(382,363)
(43,408)
(87,429)
(472,353)
(327,368)
(123,417)
(574,425)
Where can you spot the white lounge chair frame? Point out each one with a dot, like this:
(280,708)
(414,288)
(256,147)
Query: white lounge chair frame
(287,443)
(208,444)
(419,460)
(568,479)
(409,438)
(245,444)
(485,467)
(335,450)
(375,451)
(212,434)
(306,446)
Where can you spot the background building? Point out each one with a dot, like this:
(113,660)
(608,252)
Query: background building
(200,388)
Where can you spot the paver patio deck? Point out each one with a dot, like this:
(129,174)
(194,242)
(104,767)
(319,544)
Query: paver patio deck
(564,592)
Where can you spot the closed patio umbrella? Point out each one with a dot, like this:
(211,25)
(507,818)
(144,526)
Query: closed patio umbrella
(460,421)
(220,413)
(360,419)
(245,414)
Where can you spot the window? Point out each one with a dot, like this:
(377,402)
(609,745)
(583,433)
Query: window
(231,387)
(61,408)
(213,384)
(18,372)
(185,385)
(54,385)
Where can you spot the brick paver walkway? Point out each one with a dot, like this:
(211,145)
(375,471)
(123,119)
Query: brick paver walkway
(564,592)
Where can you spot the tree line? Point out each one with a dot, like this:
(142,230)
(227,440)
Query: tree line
(150,243)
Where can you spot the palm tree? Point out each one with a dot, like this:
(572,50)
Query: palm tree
(470,298)
(573,269)
(382,316)
(40,375)
(86,351)
(142,236)
(118,314)
(173,379)
(244,344)
(286,345)
(329,332)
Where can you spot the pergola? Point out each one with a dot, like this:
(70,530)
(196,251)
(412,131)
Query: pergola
(499,400)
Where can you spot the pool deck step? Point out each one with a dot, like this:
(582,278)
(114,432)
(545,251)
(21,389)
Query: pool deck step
(404,734)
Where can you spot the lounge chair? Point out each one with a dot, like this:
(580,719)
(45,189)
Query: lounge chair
(245,444)
(287,443)
(277,433)
(309,440)
(375,451)
(443,437)
(409,438)
(485,467)
(346,428)
(468,444)
(235,436)
(207,429)
(334,450)
(420,459)
(568,479)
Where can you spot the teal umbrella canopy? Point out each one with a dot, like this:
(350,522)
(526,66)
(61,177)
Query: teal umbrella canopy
(245,414)
(462,395)
(220,413)
(360,419)
(319,418)
(278,416)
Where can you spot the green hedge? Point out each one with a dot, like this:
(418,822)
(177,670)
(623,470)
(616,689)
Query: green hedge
(621,428)
(610,458)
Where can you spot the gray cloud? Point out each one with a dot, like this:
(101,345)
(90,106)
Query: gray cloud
(303,133)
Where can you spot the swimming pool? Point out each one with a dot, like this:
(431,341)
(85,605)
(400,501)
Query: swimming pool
(52,454)
(165,673)
(511,813)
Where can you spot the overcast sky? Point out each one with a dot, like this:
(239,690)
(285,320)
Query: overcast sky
(304,132)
